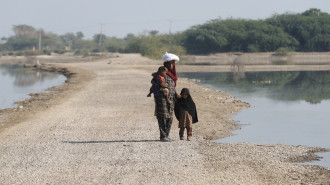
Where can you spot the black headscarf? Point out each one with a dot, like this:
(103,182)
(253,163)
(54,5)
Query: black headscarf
(187,104)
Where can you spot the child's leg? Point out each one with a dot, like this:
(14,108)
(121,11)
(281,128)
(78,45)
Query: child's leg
(150,92)
(168,99)
(189,133)
(166,92)
(181,132)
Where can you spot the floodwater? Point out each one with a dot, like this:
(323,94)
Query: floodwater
(17,83)
(289,108)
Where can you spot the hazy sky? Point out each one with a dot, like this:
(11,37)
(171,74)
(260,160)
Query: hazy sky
(120,17)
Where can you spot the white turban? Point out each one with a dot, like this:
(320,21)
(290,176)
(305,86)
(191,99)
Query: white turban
(170,57)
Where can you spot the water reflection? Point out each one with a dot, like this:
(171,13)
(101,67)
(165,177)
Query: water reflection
(310,86)
(286,107)
(24,77)
(17,82)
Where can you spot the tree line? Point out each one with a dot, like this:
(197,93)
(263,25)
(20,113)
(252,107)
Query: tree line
(304,32)
(308,31)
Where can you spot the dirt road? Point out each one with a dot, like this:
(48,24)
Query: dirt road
(105,133)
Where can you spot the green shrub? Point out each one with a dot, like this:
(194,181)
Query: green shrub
(59,51)
(82,52)
(283,51)
(252,48)
(46,52)
(19,53)
(155,46)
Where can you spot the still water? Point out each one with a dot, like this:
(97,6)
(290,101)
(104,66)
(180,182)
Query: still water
(17,83)
(289,108)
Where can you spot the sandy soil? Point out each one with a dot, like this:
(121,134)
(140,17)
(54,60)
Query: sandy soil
(99,128)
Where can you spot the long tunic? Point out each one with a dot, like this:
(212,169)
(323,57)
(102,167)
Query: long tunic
(163,108)
(185,119)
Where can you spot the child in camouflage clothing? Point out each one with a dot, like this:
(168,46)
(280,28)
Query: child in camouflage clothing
(159,84)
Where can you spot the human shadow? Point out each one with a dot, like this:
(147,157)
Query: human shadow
(115,141)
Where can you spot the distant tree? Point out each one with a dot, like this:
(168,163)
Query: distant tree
(69,40)
(25,31)
(156,46)
(99,39)
(79,35)
(320,42)
(73,41)
(206,38)
(129,37)
(236,35)
(311,29)
(153,32)
(51,41)
(312,12)
(114,44)
(22,43)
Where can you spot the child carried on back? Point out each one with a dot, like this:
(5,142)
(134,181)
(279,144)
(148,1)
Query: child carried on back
(159,84)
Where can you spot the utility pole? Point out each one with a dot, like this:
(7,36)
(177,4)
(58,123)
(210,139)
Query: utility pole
(39,39)
(170,29)
(100,37)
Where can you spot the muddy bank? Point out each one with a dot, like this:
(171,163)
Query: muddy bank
(55,58)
